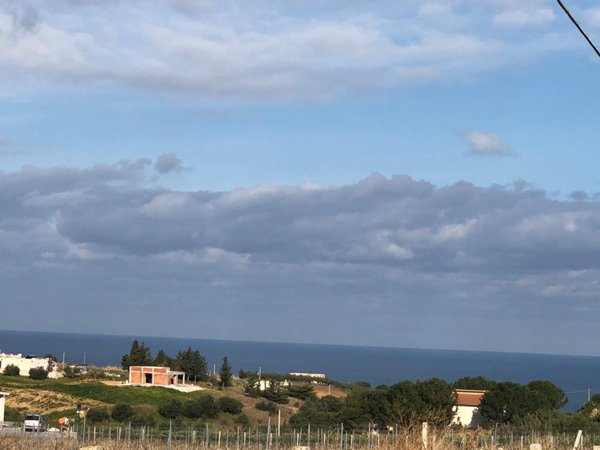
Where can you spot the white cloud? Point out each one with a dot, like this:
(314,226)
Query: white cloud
(486,144)
(520,18)
(592,16)
(266,50)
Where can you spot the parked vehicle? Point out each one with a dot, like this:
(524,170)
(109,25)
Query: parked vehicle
(35,422)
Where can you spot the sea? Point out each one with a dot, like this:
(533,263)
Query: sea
(576,375)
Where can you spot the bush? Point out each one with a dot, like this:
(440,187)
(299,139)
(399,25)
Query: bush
(171,409)
(97,415)
(204,406)
(11,370)
(71,372)
(144,416)
(12,415)
(269,407)
(229,405)
(38,373)
(242,419)
(122,412)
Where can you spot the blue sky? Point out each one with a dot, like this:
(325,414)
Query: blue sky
(182,137)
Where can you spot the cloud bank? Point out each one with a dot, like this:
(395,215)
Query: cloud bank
(396,260)
(266,50)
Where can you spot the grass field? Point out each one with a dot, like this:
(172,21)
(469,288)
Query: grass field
(57,398)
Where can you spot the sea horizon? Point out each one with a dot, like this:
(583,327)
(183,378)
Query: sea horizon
(575,374)
(367,346)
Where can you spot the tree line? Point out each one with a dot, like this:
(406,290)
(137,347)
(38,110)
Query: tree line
(189,361)
(408,403)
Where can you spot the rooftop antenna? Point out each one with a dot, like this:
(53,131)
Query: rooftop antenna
(568,13)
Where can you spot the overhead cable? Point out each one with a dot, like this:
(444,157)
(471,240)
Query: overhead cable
(562,5)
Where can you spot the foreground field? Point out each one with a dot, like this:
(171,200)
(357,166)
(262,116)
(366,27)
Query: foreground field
(292,440)
(57,398)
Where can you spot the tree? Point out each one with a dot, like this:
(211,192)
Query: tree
(478,382)
(508,402)
(139,355)
(302,391)
(38,373)
(163,360)
(11,370)
(552,397)
(440,398)
(193,364)
(225,373)
(122,412)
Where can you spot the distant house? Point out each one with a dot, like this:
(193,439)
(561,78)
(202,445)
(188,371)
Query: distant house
(26,363)
(466,411)
(307,374)
(155,376)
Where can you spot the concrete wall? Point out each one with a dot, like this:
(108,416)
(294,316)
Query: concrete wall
(467,416)
(160,375)
(24,364)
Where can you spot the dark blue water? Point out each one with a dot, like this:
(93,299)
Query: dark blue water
(376,365)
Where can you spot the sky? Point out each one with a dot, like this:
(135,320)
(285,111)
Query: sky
(365,172)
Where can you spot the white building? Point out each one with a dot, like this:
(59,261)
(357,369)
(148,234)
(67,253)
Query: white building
(2,406)
(24,363)
(466,411)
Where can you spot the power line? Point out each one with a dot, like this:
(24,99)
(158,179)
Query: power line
(562,5)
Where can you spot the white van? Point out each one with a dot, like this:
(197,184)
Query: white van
(35,422)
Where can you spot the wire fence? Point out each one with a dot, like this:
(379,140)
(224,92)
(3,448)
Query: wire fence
(208,437)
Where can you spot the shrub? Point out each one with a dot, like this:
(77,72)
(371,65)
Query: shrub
(71,372)
(242,419)
(144,416)
(171,409)
(204,406)
(269,407)
(229,405)
(122,412)
(12,415)
(97,415)
(38,373)
(11,370)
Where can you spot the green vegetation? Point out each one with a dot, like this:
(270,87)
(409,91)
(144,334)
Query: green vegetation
(269,407)
(96,415)
(225,374)
(507,402)
(139,355)
(11,370)
(229,405)
(301,391)
(325,412)
(122,412)
(38,373)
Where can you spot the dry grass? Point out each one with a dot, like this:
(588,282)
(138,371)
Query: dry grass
(407,440)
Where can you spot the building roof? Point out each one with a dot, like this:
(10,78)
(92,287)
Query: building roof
(469,397)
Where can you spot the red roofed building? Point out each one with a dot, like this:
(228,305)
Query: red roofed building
(466,411)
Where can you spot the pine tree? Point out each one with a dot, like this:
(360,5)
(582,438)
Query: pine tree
(139,355)
(192,363)
(225,373)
